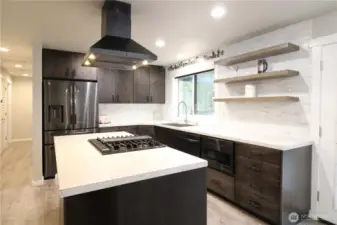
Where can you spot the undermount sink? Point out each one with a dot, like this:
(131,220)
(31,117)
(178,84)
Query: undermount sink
(178,124)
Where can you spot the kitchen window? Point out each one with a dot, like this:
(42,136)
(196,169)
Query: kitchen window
(196,90)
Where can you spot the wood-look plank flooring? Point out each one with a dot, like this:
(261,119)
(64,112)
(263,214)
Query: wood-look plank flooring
(23,204)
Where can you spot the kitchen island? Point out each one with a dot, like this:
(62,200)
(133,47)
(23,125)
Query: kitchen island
(159,186)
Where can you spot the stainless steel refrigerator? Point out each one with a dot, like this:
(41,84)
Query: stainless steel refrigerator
(69,107)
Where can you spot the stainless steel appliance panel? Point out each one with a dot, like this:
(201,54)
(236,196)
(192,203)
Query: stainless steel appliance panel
(85,105)
(49,135)
(49,164)
(57,102)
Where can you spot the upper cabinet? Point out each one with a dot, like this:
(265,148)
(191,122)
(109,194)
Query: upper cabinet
(144,85)
(56,64)
(157,84)
(115,86)
(65,65)
(82,72)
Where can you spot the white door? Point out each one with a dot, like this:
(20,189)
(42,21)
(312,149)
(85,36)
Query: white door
(327,167)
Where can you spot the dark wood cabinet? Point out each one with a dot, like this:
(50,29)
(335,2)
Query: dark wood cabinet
(65,65)
(272,183)
(220,183)
(106,85)
(124,86)
(146,130)
(80,72)
(149,85)
(142,85)
(157,84)
(56,64)
(115,86)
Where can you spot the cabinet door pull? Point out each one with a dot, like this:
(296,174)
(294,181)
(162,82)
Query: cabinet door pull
(255,169)
(147,98)
(113,98)
(191,140)
(254,204)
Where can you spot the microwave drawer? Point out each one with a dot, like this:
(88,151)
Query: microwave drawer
(220,183)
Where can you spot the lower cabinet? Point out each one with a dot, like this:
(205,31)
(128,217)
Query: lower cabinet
(220,183)
(146,130)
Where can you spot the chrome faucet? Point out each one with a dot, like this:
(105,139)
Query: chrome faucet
(184,103)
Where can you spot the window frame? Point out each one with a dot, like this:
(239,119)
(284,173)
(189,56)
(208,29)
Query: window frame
(194,92)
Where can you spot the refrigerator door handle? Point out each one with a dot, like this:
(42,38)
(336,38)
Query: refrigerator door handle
(75,118)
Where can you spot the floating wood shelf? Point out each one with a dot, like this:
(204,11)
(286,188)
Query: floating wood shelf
(259,54)
(257,99)
(258,76)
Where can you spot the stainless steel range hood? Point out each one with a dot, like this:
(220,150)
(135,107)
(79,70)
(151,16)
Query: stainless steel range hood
(116,49)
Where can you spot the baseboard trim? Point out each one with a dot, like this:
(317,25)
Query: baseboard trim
(22,139)
(36,183)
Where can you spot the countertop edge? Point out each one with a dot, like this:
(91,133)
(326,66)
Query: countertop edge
(68,192)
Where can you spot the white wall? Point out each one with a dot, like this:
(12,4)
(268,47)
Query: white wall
(291,117)
(22,108)
(131,113)
(37,176)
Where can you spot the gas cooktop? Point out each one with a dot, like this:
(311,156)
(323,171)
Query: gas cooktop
(119,144)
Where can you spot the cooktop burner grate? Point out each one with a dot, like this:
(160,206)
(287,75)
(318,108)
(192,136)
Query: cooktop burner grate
(113,145)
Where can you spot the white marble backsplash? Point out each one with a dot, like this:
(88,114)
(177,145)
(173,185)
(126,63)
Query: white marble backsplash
(129,113)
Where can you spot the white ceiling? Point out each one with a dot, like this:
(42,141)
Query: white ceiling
(186,26)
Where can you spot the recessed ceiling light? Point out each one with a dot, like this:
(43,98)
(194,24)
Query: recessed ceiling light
(92,56)
(160,43)
(25,74)
(218,12)
(145,62)
(134,67)
(18,66)
(3,49)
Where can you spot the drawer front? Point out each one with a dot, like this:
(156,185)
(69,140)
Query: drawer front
(269,191)
(220,183)
(259,153)
(249,168)
(258,205)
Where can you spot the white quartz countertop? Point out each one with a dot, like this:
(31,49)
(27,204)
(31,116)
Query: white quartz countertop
(270,140)
(82,168)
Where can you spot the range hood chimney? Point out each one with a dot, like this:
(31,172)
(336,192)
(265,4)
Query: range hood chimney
(116,49)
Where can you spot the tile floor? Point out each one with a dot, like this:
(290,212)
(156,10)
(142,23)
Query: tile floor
(22,204)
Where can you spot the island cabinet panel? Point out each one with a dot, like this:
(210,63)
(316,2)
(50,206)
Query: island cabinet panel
(165,200)
(220,183)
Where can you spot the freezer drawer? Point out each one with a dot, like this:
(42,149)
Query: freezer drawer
(49,162)
(49,135)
